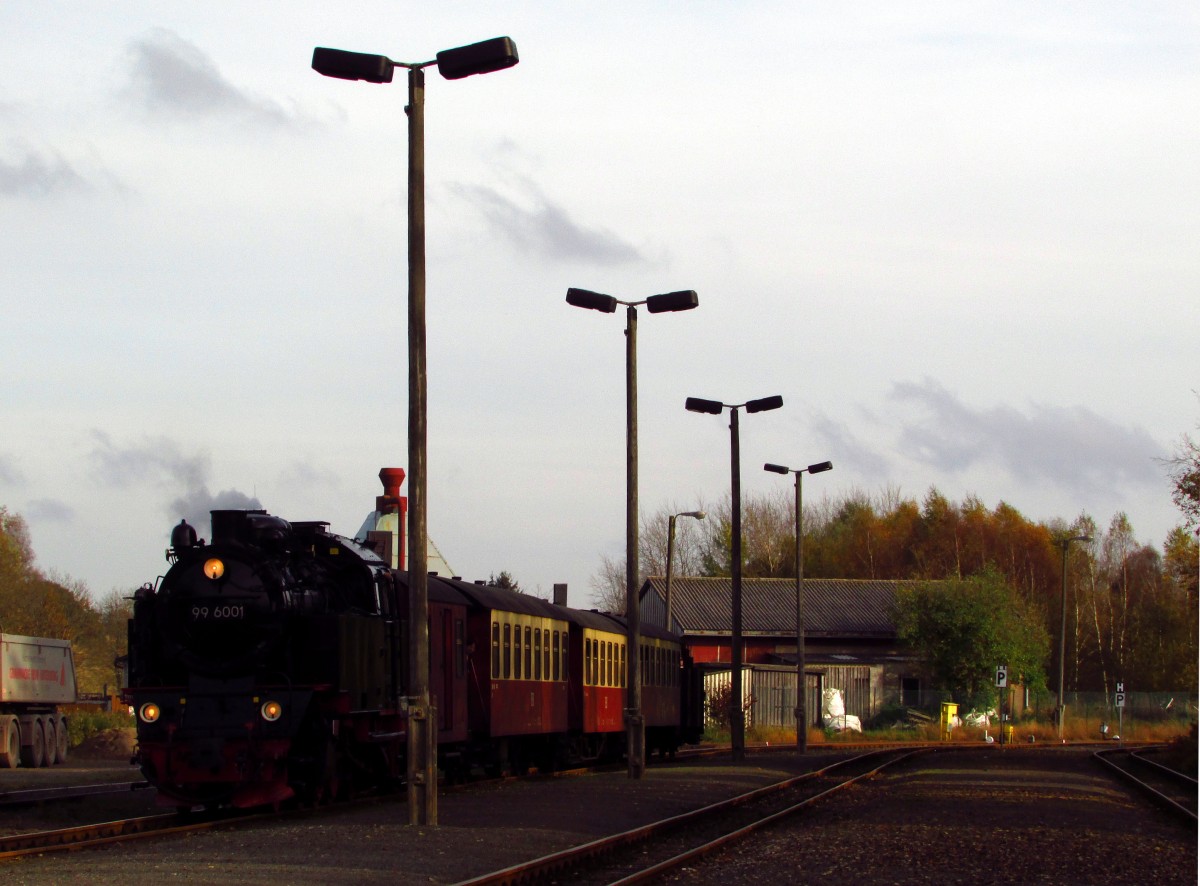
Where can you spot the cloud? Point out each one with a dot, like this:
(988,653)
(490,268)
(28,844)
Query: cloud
(170,75)
(1071,447)
(861,458)
(545,229)
(36,174)
(159,460)
(49,510)
(9,475)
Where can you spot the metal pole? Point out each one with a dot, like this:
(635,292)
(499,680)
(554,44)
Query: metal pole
(670,557)
(801,685)
(422,719)
(635,734)
(737,725)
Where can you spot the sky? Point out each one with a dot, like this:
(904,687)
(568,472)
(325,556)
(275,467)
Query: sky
(958,240)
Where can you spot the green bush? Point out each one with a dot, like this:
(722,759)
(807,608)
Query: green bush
(82,725)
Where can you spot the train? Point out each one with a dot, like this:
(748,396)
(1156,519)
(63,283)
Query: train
(270,665)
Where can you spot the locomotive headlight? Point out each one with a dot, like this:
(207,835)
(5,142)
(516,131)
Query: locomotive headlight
(149,712)
(214,568)
(271,711)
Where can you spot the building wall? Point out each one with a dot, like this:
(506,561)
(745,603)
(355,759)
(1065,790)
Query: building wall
(769,691)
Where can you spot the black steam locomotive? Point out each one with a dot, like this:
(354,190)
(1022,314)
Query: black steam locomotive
(271,663)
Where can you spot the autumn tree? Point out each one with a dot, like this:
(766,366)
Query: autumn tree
(1183,467)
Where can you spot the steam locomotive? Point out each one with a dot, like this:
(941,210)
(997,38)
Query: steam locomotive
(271,663)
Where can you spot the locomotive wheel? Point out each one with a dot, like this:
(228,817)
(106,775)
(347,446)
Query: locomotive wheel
(33,753)
(10,743)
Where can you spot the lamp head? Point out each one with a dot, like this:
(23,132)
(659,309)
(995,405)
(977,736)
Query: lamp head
(683,300)
(583,298)
(764,404)
(352,65)
(776,469)
(820,467)
(711,407)
(478,58)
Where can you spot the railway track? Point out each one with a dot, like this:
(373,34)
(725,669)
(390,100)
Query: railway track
(1173,790)
(92,835)
(71,792)
(645,853)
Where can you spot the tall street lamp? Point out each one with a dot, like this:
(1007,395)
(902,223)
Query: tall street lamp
(801,694)
(684,300)
(737,723)
(699,515)
(1061,711)
(453,64)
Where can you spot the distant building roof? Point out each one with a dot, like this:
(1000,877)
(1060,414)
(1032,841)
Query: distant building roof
(832,607)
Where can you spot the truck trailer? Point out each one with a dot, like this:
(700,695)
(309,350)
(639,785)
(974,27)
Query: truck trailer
(36,676)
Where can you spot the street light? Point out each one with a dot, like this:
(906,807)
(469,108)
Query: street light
(1061,710)
(801,694)
(737,724)
(684,300)
(699,515)
(453,64)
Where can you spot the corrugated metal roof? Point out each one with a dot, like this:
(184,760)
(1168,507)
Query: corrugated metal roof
(832,606)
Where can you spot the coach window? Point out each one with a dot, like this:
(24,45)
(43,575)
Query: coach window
(537,653)
(587,661)
(623,671)
(545,653)
(566,674)
(507,651)
(528,653)
(517,646)
(460,648)
(554,658)
(495,650)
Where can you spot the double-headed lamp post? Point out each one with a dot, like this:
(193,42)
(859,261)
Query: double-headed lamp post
(1061,710)
(453,64)
(684,300)
(699,515)
(737,722)
(801,695)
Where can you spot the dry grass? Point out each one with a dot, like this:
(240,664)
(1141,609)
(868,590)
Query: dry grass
(1023,732)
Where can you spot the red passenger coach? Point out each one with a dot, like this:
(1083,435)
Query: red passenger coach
(598,679)
(517,681)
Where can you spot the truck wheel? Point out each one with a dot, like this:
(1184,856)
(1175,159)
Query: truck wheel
(10,743)
(63,744)
(33,753)
(50,734)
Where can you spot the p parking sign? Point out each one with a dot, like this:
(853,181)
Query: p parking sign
(1002,676)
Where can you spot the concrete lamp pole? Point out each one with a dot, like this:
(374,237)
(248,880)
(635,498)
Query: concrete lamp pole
(684,300)
(453,64)
(699,515)
(801,693)
(1060,711)
(737,721)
